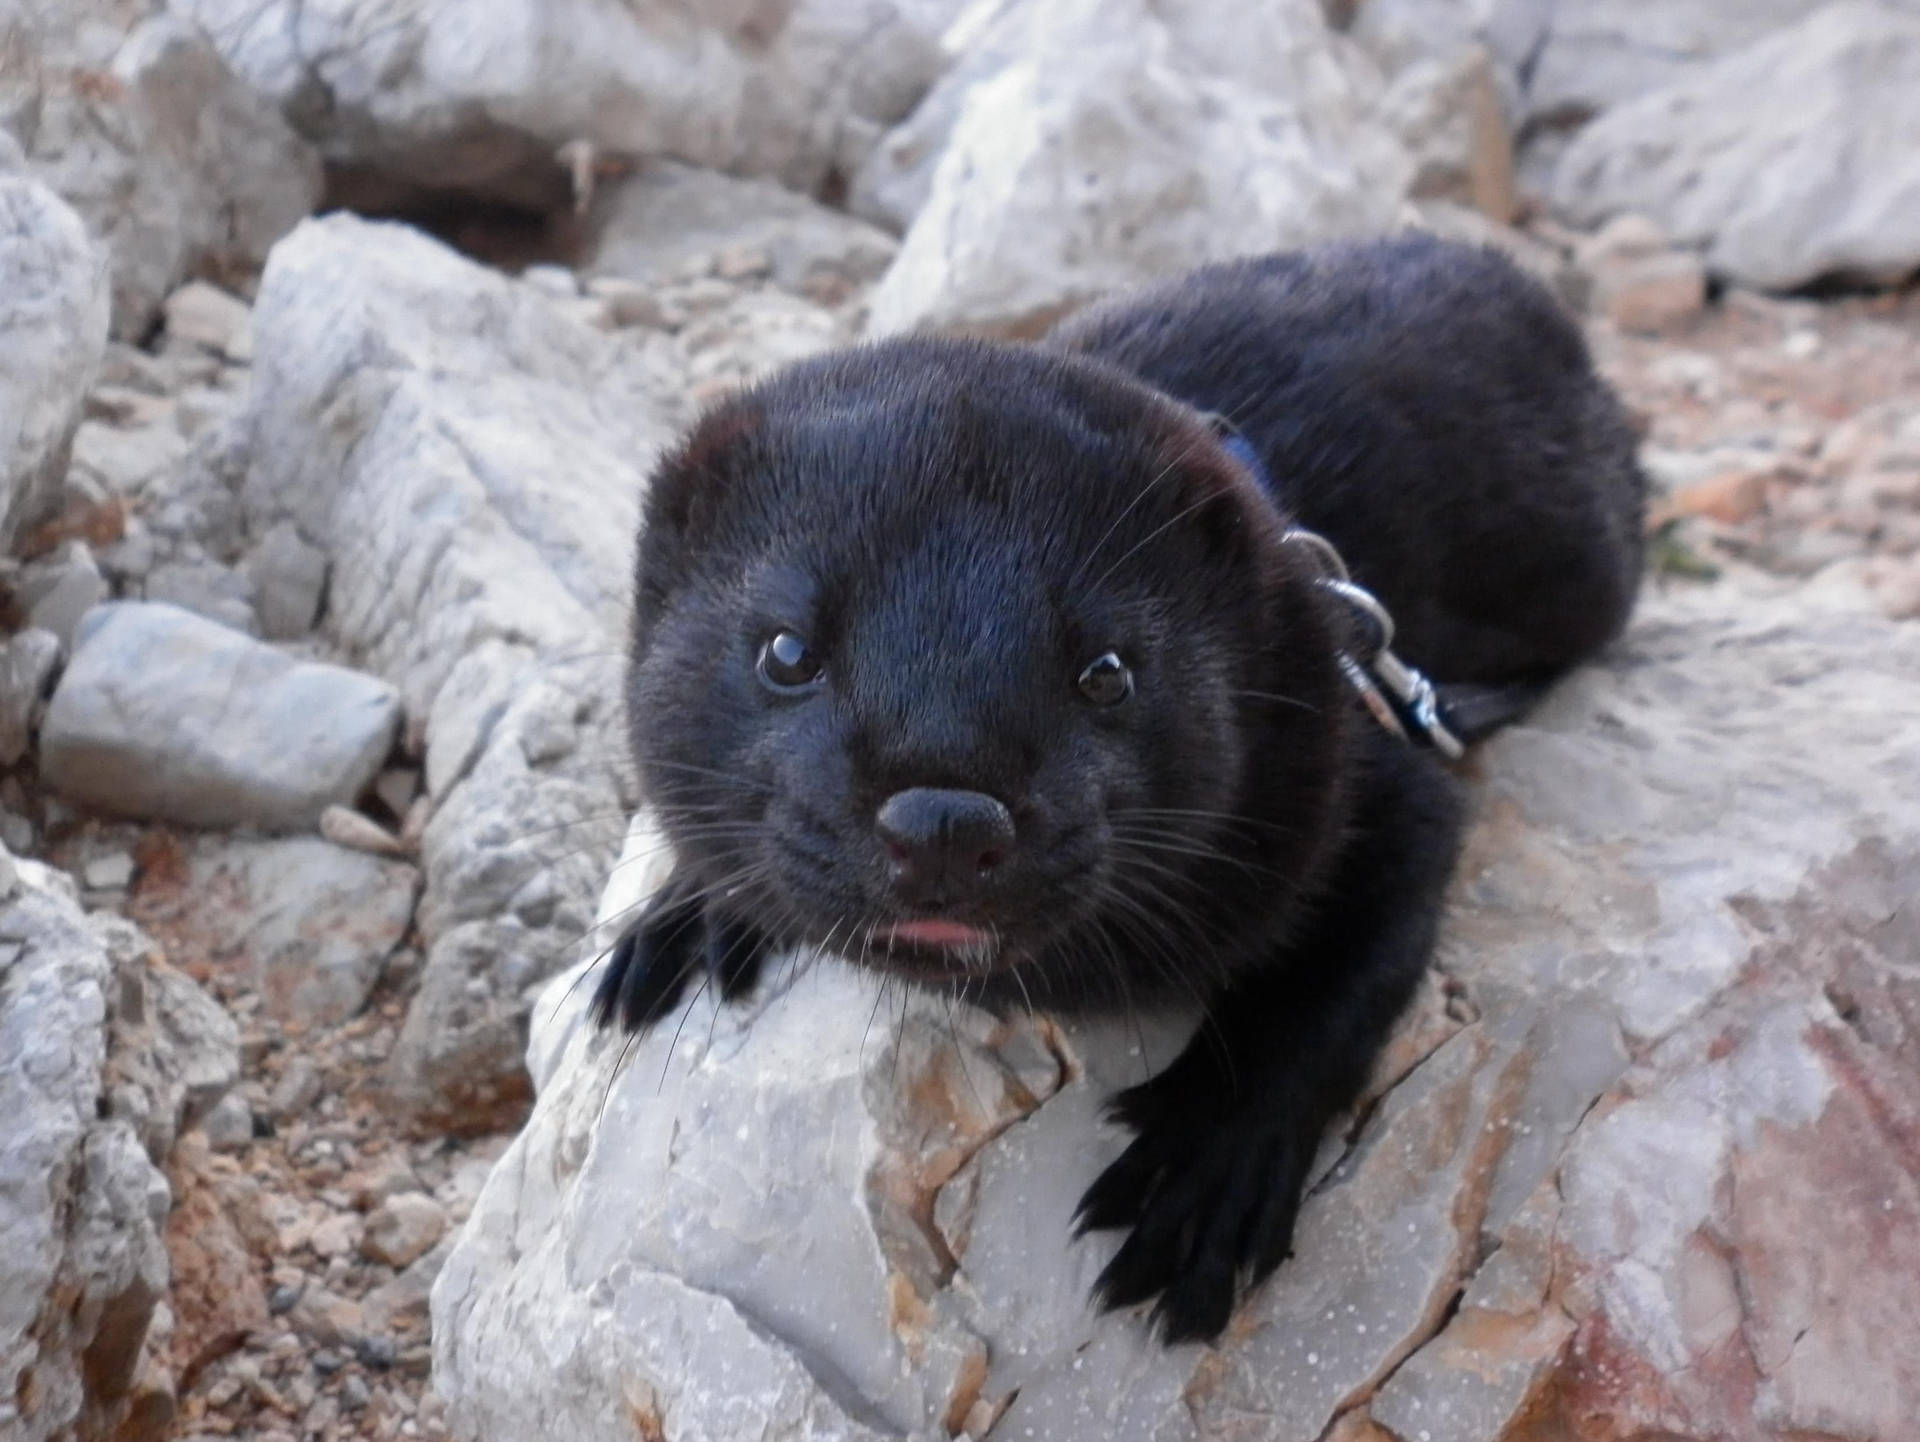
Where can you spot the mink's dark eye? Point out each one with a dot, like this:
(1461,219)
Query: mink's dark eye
(1106,681)
(786,665)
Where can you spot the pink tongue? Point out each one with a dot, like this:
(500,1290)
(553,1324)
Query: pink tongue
(937,933)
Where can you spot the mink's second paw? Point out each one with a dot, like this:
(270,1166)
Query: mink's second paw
(1208,1195)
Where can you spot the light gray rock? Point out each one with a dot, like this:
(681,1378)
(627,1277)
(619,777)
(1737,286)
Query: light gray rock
(57,592)
(892,184)
(130,460)
(107,1055)
(229,1126)
(1612,1145)
(1641,281)
(109,871)
(289,582)
(206,588)
(654,224)
(55,282)
(299,1087)
(403,1228)
(471,459)
(166,715)
(174,163)
(795,91)
(204,315)
(1400,34)
(1744,159)
(27,663)
(1595,55)
(1448,114)
(312,923)
(1120,143)
(357,831)
(403,1302)
(175,1051)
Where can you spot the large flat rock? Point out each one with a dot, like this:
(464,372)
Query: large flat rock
(1784,162)
(165,715)
(1671,1024)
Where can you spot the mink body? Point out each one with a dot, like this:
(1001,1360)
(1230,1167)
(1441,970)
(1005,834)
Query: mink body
(991,667)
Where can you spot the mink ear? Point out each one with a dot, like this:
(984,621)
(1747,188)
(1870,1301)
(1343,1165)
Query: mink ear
(684,495)
(1225,490)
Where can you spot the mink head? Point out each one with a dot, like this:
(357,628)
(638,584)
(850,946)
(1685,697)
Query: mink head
(984,666)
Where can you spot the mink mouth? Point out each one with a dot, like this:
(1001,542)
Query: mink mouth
(935,949)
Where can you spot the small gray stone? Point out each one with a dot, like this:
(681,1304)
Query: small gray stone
(58,593)
(165,715)
(403,1228)
(396,787)
(207,316)
(205,588)
(128,460)
(110,872)
(326,1317)
(289,579)
(344,826)
(402,1304)
(229,1126)
(27,664)
(298,1088)
(16,834)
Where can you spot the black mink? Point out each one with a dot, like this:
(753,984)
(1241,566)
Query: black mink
(1005,669)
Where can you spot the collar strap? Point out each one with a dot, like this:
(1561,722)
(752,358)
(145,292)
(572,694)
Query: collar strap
(1399,697)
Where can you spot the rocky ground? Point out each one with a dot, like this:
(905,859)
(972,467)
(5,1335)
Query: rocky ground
(308,1226)
(311,773)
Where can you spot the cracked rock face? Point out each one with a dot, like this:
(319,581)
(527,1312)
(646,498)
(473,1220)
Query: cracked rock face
(107,1057)
(174,162)
(1091,146)
(1642,1162)
(478,100)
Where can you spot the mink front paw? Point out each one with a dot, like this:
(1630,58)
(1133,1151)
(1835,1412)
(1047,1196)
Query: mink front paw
(1208,1194)
(674,938)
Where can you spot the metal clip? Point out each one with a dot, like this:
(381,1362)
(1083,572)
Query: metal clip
(1418,704)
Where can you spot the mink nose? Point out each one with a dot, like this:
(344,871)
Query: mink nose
(943,844)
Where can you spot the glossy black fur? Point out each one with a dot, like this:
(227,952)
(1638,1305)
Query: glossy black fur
(957,526)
